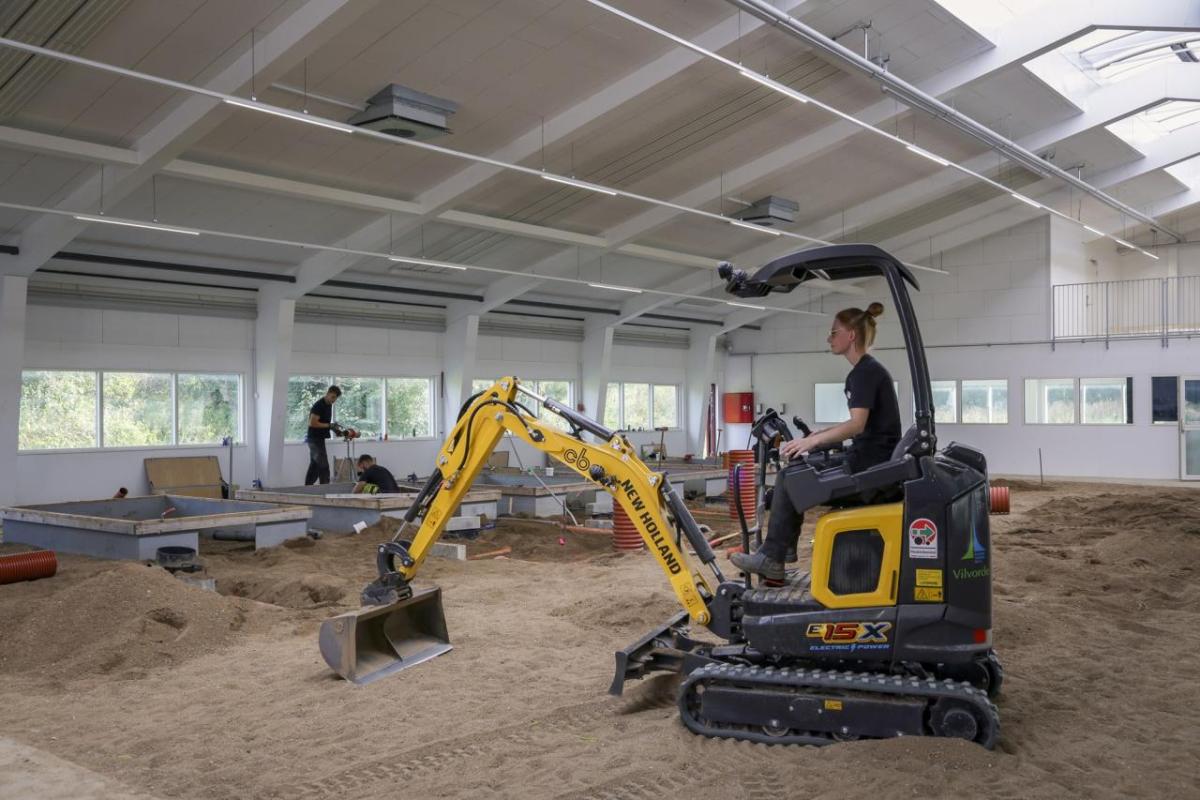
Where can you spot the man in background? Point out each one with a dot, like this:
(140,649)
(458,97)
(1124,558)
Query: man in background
(373,479)
(320,423)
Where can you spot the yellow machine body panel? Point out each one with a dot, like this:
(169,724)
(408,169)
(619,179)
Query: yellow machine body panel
(885,520)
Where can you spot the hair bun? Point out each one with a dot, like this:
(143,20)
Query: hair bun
(875,309)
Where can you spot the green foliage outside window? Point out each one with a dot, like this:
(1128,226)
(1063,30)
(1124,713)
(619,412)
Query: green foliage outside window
(58,410)
(207,407)
(303,391)
(137,409)
(409,412)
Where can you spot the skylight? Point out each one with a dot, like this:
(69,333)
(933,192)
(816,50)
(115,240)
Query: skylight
(1156,122)
(1116,54)
(989,15)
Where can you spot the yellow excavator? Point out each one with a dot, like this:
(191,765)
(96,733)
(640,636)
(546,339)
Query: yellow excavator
(890,635)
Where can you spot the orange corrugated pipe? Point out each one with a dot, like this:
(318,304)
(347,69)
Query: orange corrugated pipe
(999,500)
(28,566)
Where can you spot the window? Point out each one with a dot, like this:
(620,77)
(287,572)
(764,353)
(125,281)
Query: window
(410,407)
(406,404)
(985,402)
(1106,401)
(207,408)
(612,406)
(137,409)
(1049,401)
(58,410)
(1164,393)
(830,406)
(945,401)
(666,406)
(361,405)
(77,409)
(480,384)
(641,406)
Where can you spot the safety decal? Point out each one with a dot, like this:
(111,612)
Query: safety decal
(922,539)
(927,594)
(929,577)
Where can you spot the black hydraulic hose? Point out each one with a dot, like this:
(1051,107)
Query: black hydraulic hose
(691,530)
(427,493)
(737,504)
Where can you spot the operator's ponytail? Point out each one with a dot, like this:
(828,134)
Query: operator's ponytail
(861,322)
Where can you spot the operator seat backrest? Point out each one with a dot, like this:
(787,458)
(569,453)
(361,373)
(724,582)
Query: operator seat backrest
(906,442)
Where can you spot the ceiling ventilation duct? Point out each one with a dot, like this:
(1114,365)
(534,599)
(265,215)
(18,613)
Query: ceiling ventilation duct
(406,113)
(770,212)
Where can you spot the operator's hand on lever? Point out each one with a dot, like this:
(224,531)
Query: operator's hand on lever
(798,447)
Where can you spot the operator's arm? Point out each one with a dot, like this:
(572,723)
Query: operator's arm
(827,436)
(358,487)
(315,422)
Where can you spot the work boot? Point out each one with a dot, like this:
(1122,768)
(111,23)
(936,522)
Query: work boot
(792,556)
(758,563)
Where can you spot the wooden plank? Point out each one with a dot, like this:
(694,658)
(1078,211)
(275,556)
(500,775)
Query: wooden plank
(194,476)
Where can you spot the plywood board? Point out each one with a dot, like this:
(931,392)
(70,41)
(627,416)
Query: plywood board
(194,476)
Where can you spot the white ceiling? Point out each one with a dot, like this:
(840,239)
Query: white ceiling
(510,64)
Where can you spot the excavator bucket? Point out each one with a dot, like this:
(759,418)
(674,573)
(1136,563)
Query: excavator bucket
(376,641)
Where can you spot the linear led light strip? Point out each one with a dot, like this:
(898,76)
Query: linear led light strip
(296,116)
(803,98)
(415,260)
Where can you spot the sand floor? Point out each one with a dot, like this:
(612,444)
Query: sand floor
(121,681)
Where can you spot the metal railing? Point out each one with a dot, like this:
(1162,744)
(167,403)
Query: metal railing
(1152,308)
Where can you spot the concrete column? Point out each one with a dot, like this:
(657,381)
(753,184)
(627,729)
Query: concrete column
(272,365)
(596,365)
(701,369)
(459,358)
(13,291)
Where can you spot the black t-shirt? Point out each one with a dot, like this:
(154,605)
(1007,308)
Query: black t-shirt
(380,477)
(869,386)
(324,412)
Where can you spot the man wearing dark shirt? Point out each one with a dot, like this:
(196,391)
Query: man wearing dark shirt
(320,423)
(373,479)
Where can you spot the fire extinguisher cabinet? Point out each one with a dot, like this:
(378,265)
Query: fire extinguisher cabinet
(738,406)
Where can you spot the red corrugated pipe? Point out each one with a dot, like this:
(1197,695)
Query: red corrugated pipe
(28,566)
(999,500)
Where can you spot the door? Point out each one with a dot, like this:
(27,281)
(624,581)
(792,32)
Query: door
(1189,429)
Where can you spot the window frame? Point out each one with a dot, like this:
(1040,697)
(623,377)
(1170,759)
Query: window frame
(1126,411)
(98,411)
(650,404)
(1008,405)
(430,380)
(1075,398)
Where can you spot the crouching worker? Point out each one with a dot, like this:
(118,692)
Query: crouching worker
(373,479)
(874,427)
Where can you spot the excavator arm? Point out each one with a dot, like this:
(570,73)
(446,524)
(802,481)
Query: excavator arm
(379,638)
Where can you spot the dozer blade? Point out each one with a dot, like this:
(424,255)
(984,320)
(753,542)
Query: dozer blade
(376,641)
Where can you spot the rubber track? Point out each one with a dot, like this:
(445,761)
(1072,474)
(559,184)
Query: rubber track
(846,680)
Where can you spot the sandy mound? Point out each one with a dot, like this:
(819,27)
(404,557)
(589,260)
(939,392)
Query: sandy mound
(126,620)
(300,591)
(1176,511)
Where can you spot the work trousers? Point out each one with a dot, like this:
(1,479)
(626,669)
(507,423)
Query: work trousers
(318,463)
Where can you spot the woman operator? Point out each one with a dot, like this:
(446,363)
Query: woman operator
(874,427)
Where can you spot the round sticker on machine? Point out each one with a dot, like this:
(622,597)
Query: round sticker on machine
(922,539)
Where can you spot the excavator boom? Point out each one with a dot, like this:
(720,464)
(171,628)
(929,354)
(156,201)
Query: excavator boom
(398,627)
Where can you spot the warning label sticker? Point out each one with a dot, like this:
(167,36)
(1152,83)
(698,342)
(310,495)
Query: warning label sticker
(929,577)
(922,539)
(928,594)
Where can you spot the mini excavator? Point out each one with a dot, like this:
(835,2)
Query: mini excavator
(890,635)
